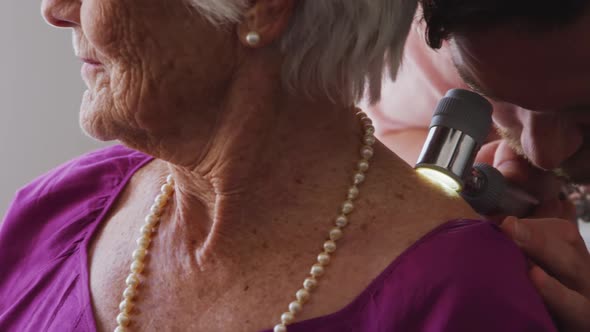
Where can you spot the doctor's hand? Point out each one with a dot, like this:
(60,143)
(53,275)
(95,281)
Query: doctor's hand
(543,185)
(561,262)
(561,267)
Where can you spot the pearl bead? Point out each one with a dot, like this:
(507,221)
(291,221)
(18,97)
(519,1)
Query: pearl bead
(341,221)
(369,140)
(353,193)
(363,166)
(253,38)
(310,284)
(151,219)
(367,152)
(161,200)
(137,267)
(144,242)
(335,234)
(347,207)
(324,258)
(139,254)
(126,306)
(317,270)
(123,319)
(132,280)
(361,115)
(156,210)
(302,295)
(167,189)
(295,307)
(129,293)
(120,329)
(170,179)
(287,318)
(359,178)
(369,130)
(280,328)
(366,121)
(146,230)
(330,246)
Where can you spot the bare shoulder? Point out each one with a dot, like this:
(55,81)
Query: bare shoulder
(402,191)
(398,206)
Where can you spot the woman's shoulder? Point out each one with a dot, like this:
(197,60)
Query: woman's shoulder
(71,190)
(76,188)
(465,275)
(87,174)
(114,160)
(459,248)
(48,223)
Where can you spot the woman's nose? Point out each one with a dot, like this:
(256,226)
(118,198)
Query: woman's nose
(61,13)
(548,141)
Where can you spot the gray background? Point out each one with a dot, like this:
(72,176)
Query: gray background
(40,93)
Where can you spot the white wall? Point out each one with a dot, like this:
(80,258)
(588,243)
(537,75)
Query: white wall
(40,92)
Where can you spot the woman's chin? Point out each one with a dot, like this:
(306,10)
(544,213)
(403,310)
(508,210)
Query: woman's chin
(93,120)
(97,131)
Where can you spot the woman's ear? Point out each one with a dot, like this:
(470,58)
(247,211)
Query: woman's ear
(265,22)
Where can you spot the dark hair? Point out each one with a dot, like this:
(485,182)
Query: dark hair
(445,17)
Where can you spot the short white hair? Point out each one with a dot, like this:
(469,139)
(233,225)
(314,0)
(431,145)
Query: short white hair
(337,48)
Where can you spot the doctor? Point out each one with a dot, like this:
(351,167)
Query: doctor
(531,61)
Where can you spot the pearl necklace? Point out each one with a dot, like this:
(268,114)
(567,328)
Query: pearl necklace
(317,270)
(143,244)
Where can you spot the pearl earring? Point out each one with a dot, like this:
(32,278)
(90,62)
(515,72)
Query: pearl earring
(253,38)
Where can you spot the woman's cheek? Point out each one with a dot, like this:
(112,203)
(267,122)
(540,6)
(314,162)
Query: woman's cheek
(103,26)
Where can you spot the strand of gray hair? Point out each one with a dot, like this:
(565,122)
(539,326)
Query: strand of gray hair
(342,49)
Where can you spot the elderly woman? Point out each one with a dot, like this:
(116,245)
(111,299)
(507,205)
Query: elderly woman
(230,206)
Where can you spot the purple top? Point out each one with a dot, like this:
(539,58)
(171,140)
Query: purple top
(462,276)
